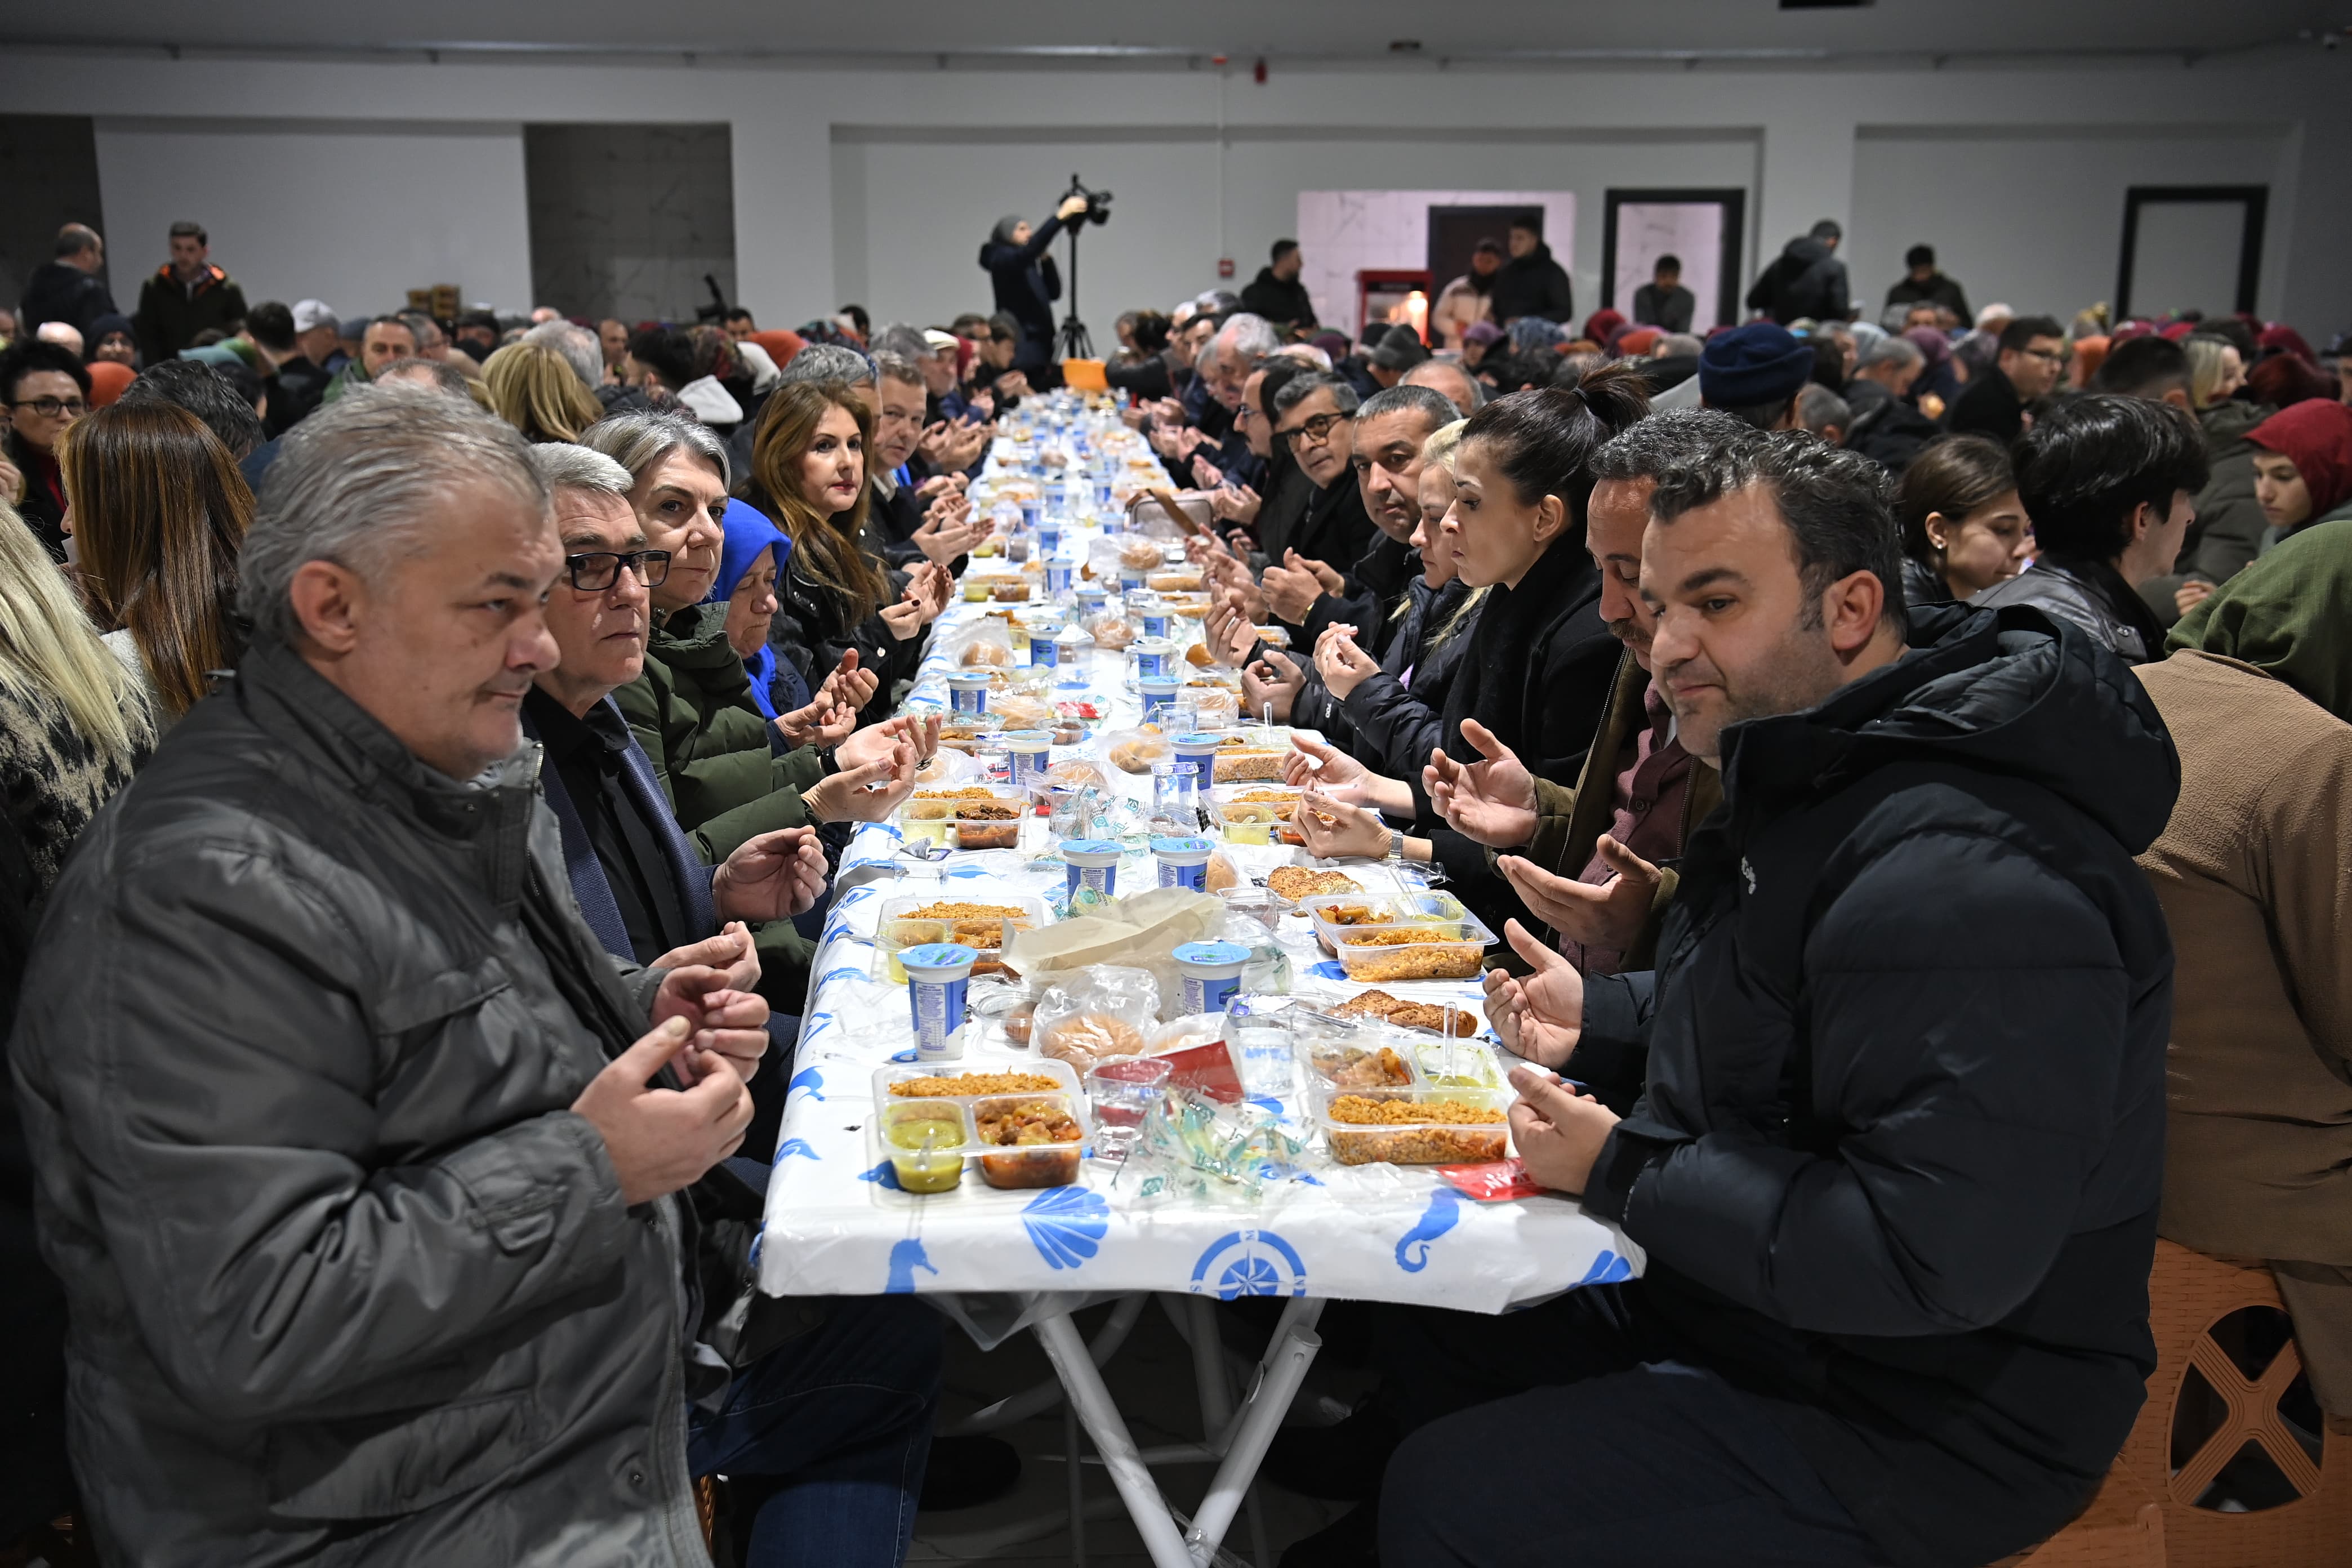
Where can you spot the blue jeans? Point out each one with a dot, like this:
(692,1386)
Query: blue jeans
(842,1417)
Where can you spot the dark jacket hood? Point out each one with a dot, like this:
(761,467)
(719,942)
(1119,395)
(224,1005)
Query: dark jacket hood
(1807,250)
(2010,691)
(1536,257)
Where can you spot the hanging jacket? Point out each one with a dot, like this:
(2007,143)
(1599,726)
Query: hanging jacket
(351,1282)
(1898,1153)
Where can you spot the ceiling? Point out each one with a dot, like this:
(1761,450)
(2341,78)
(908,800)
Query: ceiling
(1179,36)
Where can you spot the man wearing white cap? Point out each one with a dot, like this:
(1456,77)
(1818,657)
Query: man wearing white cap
(319,335)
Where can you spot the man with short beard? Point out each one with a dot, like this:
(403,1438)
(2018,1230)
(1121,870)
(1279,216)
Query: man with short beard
(1312,415)
(1589,861)
(1893,1151)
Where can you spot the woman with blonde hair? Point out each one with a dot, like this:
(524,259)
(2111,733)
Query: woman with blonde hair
(535,389)
(74,722)
(2216,370)
(810,475)
(158,511)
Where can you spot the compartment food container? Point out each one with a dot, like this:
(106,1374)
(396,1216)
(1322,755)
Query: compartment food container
(1005,1097)
(990,824)
(1344,918)
(1450,950)
(924,1141)
(1416,1127)
(910,919)
(931,813)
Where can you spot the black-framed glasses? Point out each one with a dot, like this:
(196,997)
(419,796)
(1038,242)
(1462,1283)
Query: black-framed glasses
(594,571)
(1318,430)
(51,407)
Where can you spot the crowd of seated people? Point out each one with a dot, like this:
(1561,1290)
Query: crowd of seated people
(1910,764)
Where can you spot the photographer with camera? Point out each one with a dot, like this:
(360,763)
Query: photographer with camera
(1027,282)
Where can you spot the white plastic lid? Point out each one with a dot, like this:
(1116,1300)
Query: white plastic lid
(1091,851)
(967,680)
(938,960)
(1199,745)
(1183,851)
(1205,960)
(1028,741)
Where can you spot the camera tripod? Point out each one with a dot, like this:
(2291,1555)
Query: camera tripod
(1075,341)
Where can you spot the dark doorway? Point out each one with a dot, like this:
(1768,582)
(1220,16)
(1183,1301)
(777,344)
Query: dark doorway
(1455,233)
(48,166)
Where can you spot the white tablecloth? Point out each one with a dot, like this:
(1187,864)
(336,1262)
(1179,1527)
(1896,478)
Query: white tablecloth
(837,1224)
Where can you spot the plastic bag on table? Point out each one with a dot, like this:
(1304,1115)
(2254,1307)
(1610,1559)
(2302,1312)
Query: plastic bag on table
(1096,1017)
(986,644)
(1193,1147)
(1134,751)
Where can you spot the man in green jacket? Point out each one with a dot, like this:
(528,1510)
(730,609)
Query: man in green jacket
(187,296)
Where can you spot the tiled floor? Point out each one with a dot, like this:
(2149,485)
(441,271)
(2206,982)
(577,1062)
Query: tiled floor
(1152,1378)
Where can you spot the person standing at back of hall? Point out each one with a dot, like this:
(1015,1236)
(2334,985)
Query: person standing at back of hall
(1530,283)
(1025,278)
(1806,279)
(185,296)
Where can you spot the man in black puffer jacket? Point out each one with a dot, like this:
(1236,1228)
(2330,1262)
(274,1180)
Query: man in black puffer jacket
(1898,1153)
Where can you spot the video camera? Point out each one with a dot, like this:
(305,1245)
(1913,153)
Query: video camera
(1098,202)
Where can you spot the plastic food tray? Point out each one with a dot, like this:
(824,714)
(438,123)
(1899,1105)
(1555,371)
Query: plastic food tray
(899,927)
(1326,1055)
(935,818)
(1410,910)
(1453,950)
(1419,1138)
(1053,1165)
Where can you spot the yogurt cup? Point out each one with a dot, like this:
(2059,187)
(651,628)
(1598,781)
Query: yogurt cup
(1049,531)
(1184,863)
(1092,597)
(936,973)
(1070,644)
(1156,621)
(1093,866)
(1044,653)
(968,693)
(1212,972)
(1200,751)
(1059,575)
(1030,751)
(1159,697)
(1152,656)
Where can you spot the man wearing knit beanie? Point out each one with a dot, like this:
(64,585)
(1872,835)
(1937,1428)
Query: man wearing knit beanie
(1754,373)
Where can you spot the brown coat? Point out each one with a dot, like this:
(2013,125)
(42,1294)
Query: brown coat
(2254,873)
(1570,822)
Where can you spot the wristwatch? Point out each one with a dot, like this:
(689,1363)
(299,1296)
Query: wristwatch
(1396,846)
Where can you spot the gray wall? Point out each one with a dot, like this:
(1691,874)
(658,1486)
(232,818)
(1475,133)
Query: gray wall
(800,195)
(626,220)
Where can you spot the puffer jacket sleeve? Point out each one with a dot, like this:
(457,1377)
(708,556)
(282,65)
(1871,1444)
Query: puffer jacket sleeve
(1395,730)
(1967,1046)
(217,1100)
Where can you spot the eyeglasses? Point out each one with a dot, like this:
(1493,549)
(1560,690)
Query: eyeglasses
(2048,356)
(1316,430)
(594,571)
(51,407)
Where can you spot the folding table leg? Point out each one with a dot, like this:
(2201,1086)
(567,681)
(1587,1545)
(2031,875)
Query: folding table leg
(1284,1369)
(1104,1423)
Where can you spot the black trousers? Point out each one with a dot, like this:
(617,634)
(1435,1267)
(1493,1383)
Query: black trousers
(1568,1435)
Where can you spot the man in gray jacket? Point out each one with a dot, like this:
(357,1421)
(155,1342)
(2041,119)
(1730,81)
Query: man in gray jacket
(359,1160)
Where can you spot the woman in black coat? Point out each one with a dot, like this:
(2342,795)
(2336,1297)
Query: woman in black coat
(1150,378)
(1539,662)
(1026,281)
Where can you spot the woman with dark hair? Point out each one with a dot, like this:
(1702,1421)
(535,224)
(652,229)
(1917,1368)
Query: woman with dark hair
(1964,529)
(809,475)
(43,389)
(1027,283)
(158,512)
(1540,662)
(1150,376)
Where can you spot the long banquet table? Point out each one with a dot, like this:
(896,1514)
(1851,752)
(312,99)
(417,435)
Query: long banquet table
(1004,1262)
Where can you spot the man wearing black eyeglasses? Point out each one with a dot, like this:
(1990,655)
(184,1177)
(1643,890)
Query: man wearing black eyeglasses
(1312,417)
(47,390)
(1997,404)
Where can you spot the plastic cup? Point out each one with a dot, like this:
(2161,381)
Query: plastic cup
(1152,656)
(936,973)
(1093,866)
(1058,574)
(1122,1093)
(1044,653)
(1159,697)
(1049,533)
(1183,862)
(1030,751)
(968,693)
(1200,751)
(1212,972)
(1092,597)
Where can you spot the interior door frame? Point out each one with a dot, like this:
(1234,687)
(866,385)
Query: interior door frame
(2255,203)
(1732,199)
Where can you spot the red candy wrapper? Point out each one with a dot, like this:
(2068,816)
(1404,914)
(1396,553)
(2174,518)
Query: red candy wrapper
(1077,711)
(1492,1181)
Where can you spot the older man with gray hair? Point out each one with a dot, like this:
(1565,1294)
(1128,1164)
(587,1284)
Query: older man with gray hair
(360,1168)
(1883,424)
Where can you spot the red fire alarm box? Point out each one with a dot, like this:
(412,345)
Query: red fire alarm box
(1224,267)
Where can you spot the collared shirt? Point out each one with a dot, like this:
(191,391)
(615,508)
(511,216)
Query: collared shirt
(1647,805)
(587,756)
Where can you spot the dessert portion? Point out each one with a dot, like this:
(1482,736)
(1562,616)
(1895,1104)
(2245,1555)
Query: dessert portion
(1297,882)
(1409,1015)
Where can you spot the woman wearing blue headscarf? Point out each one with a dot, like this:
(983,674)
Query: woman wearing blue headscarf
(750,559)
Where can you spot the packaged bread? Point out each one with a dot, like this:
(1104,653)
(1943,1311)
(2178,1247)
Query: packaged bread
(1139,554)
(1111,631)
(1134,751)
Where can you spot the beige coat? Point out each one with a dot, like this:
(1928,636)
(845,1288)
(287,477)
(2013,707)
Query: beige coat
(2254,873)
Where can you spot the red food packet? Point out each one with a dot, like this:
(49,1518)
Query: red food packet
(1209,1069)
(1494,1180)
